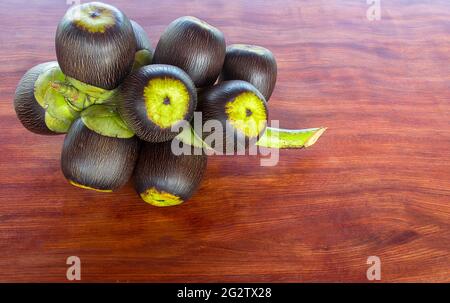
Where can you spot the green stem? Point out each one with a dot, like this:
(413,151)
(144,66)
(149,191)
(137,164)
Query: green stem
(272,137)
(189,136)
(59,114)
(290,138)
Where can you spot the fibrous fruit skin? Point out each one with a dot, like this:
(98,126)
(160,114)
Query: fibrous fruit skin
(95,44)
(144,49)
(93,161)
(30,113)
(156,98)
(194,46)
(162,178)
(142,40)
(241,110)
(251,63)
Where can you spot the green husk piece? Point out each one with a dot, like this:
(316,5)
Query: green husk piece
(56,125)
(105,120)
(58,108)
(50,74)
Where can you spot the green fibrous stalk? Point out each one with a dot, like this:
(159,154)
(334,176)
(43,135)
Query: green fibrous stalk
(189,136)
(271,138)
(105,120)
(290,138)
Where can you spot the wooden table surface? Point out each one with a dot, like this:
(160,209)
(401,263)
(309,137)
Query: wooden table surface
(376,183)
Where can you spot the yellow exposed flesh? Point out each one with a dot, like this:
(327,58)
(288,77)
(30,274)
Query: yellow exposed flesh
(160,198)
(93,18)
(166,101)
(88,187)
(247,114)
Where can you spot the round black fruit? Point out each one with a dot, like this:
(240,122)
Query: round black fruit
(30,113)
(164,179)
(251,63)
(156,99)
(194,46)
(97,162)
(144,49)
(142,40)
(234,116)
(95,44)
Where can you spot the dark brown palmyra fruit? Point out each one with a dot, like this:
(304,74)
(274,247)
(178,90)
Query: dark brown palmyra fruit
(93,161)
(162,178)
(241,111)
(194,46)
(95,44)
(156,98)
(142,40)
(30,113)
(144,49)
(251,63)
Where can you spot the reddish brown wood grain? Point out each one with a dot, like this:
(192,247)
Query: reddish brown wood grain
(377,183)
